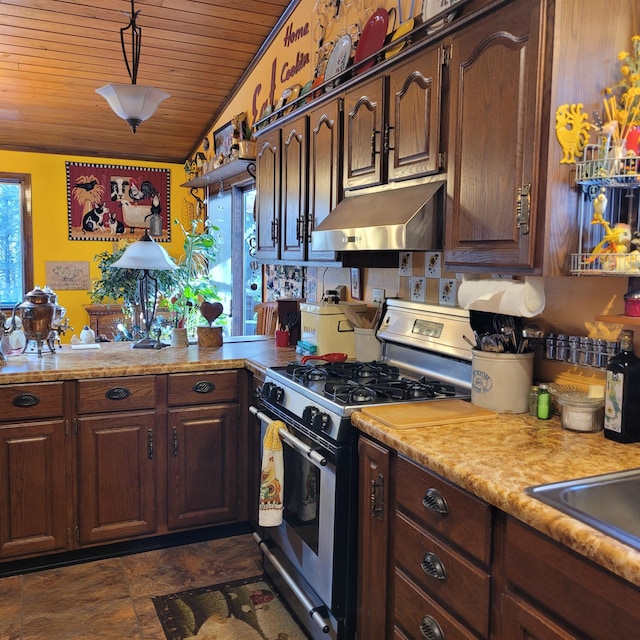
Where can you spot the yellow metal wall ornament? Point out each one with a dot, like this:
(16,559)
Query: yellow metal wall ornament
(572,131)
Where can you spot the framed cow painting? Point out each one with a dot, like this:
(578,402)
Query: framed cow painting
(112,202)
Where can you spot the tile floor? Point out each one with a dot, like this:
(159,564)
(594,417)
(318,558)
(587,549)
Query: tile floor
(111,598)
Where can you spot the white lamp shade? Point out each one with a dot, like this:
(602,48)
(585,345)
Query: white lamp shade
(132,101)
(145,254)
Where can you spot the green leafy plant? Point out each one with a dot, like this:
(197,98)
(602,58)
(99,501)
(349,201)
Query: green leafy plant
(192,284)
(120,286)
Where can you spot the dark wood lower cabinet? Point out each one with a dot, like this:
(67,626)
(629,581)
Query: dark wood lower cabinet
(202,466)
(33,493)
(437,562)
(116,476)
(96,461)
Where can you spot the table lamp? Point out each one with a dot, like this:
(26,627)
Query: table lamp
(146,255)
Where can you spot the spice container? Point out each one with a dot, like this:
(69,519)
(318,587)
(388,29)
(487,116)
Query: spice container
(533,400)
(579,410)
(544,403)
(632,304)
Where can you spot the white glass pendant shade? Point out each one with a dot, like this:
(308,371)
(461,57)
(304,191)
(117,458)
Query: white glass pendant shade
(134,103)
(145,254)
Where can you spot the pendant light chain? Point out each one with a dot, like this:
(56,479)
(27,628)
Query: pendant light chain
(136,43)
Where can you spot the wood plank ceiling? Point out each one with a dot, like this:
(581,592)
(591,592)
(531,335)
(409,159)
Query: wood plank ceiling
(54,54)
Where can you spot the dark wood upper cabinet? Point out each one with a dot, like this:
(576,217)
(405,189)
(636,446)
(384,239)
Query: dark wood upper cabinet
(268,195)
(294,136)
(325,137)
(415,112)
(392,123)
(494,141)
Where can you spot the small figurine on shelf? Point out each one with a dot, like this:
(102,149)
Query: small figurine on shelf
(616,239)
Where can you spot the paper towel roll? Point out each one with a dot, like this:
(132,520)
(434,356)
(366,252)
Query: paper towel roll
(509,297)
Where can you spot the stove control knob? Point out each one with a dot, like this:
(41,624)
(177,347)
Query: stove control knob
(309,414)
(272,392)
(321,421)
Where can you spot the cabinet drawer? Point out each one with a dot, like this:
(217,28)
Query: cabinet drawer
(29,401)
(416,615)
(546,572)
(443,574)
(116,394)
(465,520)
(203,388)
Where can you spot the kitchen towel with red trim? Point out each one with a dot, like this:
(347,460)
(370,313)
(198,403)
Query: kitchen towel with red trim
(272,477)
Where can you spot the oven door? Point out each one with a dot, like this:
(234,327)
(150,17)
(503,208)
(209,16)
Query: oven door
(305,536)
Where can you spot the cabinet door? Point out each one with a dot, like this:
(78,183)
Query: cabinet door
(203,466)
(294,189)
(268,195)
(373,537)
(324,169)
(363,143)
(522,622)
(116,476)
(413,130)
(494,142)
(33,496)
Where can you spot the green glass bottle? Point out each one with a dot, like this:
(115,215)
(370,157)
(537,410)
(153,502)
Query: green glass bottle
(622,394)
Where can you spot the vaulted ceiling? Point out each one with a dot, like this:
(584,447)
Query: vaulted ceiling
(54,54)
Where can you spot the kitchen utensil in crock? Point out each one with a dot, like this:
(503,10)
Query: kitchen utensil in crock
(327,357)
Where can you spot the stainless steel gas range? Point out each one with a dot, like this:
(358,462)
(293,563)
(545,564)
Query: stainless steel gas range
(312,555)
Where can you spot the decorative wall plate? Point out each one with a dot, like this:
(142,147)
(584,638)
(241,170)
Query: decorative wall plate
(339,58)
(372,39)
(433,8)
(399,33)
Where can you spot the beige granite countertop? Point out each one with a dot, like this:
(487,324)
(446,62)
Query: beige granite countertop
(497,458)
(119,359)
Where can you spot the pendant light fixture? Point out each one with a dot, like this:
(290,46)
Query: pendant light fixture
(132,102)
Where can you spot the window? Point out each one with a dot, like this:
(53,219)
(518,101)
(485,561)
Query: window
(16,253)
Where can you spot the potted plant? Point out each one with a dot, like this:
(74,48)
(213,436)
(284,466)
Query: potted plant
(192,284)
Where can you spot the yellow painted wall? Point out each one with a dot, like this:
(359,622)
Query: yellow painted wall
(50,230)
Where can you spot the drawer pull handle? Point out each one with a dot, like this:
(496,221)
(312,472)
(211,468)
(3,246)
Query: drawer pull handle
(204,386)
(432,566)
(25,400)
(435,501)
(430,628)
(117,393)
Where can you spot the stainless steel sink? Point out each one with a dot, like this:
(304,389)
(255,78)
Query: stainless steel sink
(609,502)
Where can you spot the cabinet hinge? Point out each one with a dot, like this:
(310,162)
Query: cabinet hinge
(68,536)
(446,55)
(77,534)
(75,425)
(442,160)
(341,105)
(66,426)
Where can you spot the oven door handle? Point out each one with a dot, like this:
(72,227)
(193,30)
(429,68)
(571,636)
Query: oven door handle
(291,440)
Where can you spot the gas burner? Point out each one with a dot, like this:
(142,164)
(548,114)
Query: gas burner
(307,373)
(440,388)
(354,393)
(364,372)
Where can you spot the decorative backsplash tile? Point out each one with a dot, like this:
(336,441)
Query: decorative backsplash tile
(406,263)
(448,292)
(418,288)
(433,264)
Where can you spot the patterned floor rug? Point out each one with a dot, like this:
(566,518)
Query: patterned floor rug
(247,609)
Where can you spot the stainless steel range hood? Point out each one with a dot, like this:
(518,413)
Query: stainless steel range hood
(406,218)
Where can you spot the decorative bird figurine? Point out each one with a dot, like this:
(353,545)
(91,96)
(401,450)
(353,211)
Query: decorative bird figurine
(572,130)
